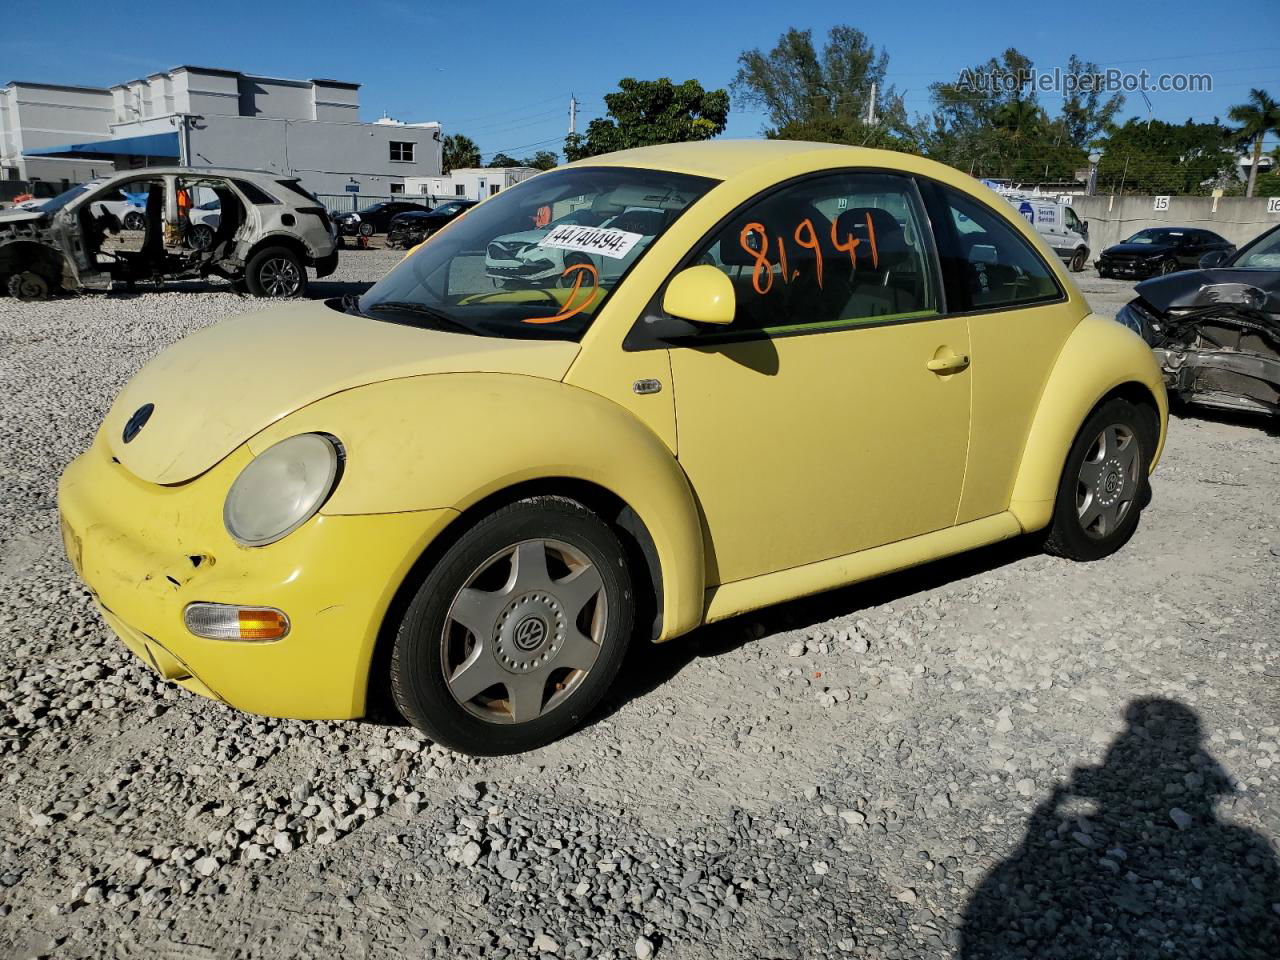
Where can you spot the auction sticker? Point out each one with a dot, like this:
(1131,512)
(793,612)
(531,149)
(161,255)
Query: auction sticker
(605,241)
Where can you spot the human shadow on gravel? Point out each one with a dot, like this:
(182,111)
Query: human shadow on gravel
(1149,871)
(649,666)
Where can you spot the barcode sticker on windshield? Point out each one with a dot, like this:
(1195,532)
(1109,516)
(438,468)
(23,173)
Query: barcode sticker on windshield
(605,241)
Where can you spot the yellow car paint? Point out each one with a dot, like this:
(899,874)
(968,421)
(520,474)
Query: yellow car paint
(749,498)
(148,550)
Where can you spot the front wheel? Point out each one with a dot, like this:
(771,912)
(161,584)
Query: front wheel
(366,229)
(27,285)
(1169,266)
(1104,483)
(276,272)
(518,630)
(133,220)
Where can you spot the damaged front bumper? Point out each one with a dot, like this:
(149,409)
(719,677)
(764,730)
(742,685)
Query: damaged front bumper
(146,551)
(1222,379)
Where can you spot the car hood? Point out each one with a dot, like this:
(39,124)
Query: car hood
(1138,249)
(218,388)
(1194,289)
(16,214)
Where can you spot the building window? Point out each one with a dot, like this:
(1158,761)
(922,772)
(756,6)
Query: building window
(459,190)
(494,188)
(402,152)
(397,188)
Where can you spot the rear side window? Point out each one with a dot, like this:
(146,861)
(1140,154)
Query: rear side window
(293,186)
(828,251)
(986,263)
(255,194)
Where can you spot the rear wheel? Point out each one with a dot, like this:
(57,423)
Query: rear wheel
(1104,483)
(366,229)
(27,285)
(134,220)
(1078,261)
(276,272)
(518,630)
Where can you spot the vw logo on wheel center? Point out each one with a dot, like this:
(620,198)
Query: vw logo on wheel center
(530,633)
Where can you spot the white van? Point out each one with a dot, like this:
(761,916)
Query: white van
(1054,220)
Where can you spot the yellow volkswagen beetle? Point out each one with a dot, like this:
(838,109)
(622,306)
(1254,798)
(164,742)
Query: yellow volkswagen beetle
(630,396)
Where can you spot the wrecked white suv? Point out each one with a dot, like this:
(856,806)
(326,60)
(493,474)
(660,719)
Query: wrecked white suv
(269,231)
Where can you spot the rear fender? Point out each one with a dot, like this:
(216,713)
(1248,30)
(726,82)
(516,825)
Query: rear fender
(1099,358)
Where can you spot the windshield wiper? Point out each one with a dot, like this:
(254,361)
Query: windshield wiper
(409,306)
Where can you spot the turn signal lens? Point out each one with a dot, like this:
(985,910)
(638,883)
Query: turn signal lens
(221,621)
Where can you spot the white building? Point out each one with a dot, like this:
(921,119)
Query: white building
(209,117)
(473,183)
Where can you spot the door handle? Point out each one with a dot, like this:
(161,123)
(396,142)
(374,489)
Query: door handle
(957,361)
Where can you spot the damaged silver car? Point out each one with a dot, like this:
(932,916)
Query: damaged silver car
(269,231)
(1216,331)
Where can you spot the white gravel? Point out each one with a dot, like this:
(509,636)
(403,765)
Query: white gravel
(1002,754)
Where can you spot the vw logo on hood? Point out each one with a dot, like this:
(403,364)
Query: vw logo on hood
(138,421)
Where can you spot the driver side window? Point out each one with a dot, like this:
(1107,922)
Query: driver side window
(827,251)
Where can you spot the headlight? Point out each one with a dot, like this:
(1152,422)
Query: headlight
(1133,319)
(282,489)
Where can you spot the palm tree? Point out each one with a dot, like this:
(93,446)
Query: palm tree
(1259,116)
(460,151)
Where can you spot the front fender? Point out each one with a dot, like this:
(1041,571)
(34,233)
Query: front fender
(1099,356)
(452,440)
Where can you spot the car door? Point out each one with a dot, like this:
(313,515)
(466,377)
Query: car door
(1019,317)
(832,415)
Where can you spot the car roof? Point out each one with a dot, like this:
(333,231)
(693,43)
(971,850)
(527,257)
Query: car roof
(240,172)
(720,159)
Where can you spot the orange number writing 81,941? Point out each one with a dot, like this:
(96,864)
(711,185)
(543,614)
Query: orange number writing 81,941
(806,235)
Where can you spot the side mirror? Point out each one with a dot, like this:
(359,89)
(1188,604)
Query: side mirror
(1084,228)
(702,294)
(1214,258)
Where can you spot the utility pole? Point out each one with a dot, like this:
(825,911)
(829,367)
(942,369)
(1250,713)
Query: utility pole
(573,115)
(871,107)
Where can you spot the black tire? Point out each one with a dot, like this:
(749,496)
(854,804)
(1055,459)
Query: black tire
(276,272)
(1104,273)
(28,286)
(1169,266)
(366,229)
(1078,260)
(1067,535)
(134,220)
(422,649)
(200,236)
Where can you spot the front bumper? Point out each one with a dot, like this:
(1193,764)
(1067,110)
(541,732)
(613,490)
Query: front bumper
(1136,269)
(147,550)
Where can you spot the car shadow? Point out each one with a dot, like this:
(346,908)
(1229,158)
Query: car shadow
(1268,424)
(1129,859)
(649,666)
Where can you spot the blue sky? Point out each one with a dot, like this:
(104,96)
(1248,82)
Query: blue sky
(502,72)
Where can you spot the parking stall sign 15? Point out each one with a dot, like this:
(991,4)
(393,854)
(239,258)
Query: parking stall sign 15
(1161,203)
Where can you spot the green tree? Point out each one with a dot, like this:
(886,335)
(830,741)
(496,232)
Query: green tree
(989,123)
(1085,113)
(460,151)
(1257,117)
(646,112)
(503,160)
(824,97)
(542,160)
(1166,158)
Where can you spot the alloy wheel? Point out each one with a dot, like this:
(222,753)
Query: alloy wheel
(524,631)
(1108,482)
(280,277)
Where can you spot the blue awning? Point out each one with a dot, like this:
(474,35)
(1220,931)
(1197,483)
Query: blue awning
(152,145)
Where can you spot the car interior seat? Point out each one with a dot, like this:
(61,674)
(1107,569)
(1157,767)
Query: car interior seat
(881,279)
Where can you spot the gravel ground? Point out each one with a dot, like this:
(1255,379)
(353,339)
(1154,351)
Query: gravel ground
(999,755)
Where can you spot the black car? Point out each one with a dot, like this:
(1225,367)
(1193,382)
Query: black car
(376,217)
(1216,331)
(1160,250)
(410,229)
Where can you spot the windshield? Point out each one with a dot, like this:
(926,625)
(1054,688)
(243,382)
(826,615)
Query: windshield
(62,199)
(508,268)
(373,208)
(1154,236)
(1262,254)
